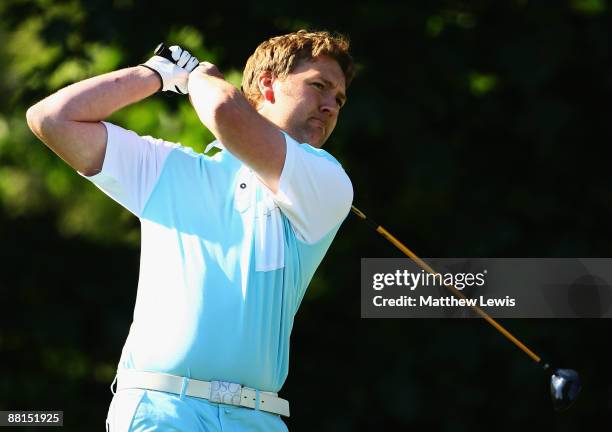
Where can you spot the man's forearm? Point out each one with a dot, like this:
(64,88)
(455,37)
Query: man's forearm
(243,131)
(68,120)
(96,98)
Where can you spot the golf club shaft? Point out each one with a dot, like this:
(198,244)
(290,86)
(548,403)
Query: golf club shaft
(386,234)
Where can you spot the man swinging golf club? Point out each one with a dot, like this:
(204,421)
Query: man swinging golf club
(229,242)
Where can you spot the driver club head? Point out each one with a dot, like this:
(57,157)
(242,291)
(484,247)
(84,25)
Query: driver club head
(564,388)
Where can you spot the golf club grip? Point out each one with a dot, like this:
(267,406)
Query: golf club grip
(163,51)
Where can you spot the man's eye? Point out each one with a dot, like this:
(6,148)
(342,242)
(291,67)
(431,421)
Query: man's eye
(318,85)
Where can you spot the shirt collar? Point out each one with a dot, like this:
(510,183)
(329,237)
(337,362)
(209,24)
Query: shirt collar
(215,143)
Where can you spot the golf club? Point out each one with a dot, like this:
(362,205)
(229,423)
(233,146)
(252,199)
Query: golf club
(564,383)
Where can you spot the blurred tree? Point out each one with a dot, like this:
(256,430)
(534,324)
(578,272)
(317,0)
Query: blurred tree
(472,129)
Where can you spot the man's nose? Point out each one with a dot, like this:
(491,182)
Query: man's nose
(330,106)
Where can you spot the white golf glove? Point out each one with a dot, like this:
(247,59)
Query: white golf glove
(173,66)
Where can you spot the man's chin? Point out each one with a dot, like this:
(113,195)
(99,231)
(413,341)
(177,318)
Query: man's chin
(318,138)
(315,137)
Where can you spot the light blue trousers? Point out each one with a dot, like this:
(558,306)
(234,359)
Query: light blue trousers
(147,410)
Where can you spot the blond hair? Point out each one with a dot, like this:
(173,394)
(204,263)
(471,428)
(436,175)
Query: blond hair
(280,55)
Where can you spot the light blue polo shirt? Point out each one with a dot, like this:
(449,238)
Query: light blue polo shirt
(224,261)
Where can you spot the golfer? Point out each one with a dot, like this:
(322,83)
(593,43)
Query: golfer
(229,242)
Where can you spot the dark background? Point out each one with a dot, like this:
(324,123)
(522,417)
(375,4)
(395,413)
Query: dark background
(473,129)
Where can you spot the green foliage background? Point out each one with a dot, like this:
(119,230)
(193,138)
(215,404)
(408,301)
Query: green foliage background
(473,129)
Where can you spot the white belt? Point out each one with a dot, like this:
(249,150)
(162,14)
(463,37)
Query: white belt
(214,391)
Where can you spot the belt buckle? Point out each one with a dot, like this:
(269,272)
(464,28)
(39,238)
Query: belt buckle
(225,392)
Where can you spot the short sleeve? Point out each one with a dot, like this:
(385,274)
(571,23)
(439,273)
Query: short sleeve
(314,191)
(131,168)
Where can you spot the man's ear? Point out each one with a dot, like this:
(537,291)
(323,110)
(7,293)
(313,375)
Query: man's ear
(264,82)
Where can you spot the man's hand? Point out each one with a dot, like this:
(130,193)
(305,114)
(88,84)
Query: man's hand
(173,68)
